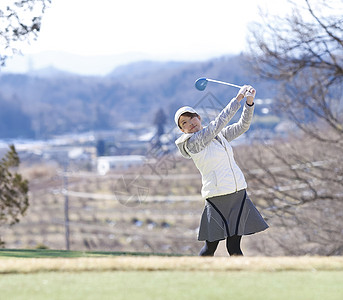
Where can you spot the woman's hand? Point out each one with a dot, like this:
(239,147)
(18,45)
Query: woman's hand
(246,91)
(250,94)
(241,93)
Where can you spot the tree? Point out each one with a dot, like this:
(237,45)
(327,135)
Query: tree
(19,21)
(303,52)
(160,122)
(14,199)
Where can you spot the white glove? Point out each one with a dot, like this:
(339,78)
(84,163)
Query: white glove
(251,92)
(242,91)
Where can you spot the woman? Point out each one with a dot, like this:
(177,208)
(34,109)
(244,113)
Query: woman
(228,212)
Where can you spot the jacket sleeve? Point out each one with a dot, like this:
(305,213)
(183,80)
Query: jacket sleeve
(181,144)
(235,130)
(199,140)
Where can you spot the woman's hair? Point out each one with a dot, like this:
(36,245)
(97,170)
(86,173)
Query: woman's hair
(188,114)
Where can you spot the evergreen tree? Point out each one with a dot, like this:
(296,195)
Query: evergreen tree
(14,199)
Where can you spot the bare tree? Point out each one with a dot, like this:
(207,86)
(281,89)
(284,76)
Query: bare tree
(19,21)
(303,174)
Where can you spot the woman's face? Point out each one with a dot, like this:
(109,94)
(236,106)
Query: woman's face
(190,124)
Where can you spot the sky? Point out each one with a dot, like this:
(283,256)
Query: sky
(183,30)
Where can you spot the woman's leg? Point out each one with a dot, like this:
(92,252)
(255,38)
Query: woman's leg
(209,248)
(233,245)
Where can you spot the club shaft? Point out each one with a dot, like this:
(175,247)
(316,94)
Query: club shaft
(223,82)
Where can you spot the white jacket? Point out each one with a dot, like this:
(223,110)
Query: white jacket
(215,160)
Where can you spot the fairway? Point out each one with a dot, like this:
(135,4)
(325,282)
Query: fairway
(174,285)
(104,275)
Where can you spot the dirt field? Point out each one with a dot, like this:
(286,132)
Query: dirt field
(151,209)
(108,213)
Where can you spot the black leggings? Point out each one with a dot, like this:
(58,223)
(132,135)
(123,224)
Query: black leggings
(233,246)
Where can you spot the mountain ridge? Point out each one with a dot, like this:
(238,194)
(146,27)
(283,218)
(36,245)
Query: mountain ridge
(62,103)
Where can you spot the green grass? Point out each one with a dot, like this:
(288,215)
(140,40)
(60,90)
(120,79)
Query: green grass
(41,253)
(174,285)
(55,274)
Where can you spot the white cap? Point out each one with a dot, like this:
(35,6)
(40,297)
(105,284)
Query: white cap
(181,111)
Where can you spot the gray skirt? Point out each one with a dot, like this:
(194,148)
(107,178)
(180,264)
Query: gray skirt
(228,215)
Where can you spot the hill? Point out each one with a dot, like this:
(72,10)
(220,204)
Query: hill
(46,103)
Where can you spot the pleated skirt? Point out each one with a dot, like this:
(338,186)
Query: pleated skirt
(228,215)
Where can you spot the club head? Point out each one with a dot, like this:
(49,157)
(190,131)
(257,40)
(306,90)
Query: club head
(201,83)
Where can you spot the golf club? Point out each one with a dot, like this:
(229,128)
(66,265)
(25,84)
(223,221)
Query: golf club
(201,83)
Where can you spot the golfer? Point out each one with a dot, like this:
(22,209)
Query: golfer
(228,212)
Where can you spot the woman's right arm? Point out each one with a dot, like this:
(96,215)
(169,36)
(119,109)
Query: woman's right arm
(199,140)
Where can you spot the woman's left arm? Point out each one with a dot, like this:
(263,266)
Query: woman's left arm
(235,130)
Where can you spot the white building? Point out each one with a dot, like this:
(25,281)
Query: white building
(106,163)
